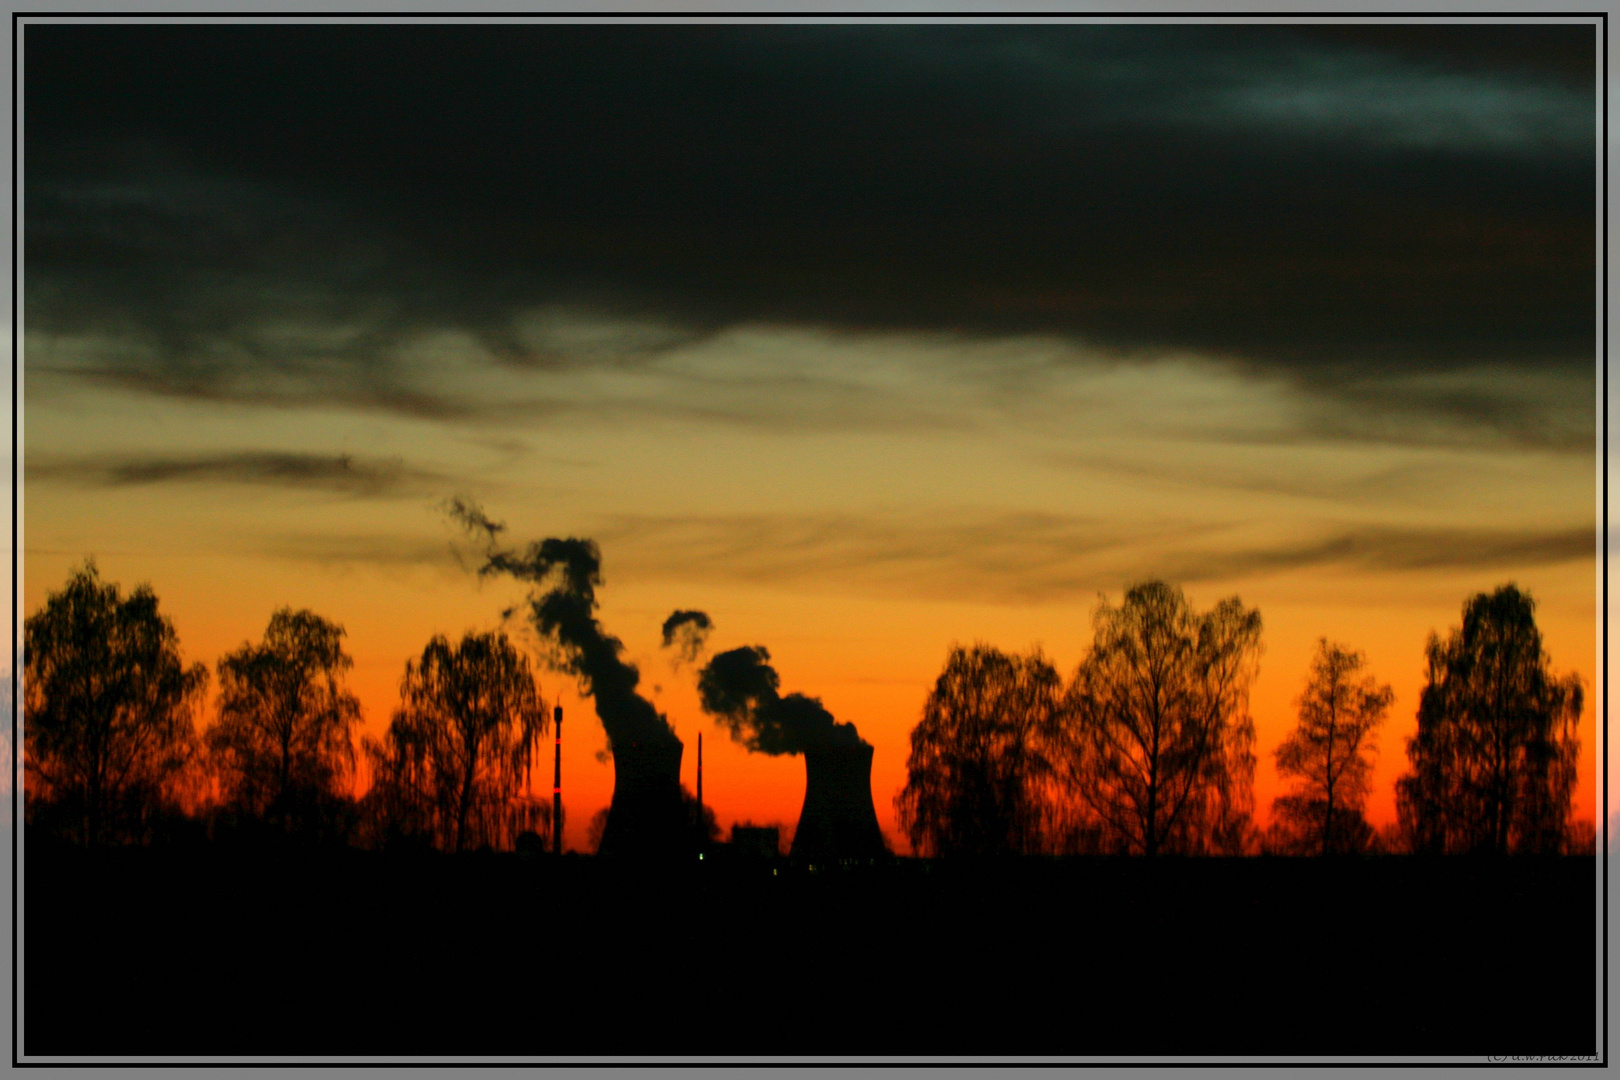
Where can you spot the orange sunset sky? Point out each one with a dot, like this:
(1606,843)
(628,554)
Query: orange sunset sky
(862,341)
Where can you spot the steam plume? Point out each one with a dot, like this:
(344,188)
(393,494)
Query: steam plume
(566,574)
(687,632)
(470,516)
(739,689)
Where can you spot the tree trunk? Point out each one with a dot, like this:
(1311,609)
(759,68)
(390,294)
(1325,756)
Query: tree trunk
(1503,763)
(469,770)
(1150,836)
(92,827)
(1327,826)
(280,804)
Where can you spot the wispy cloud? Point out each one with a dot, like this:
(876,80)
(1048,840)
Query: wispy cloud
(1538,409)
(1172,467)
(1293,85)
(1372,97)
(372,550)
(1392,549)
(1035,558)
(984,556)
(341,473)
(793,378)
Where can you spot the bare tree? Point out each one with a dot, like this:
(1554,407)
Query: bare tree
(1331,753)
(1493,760)
(1163,741)
(107,706)
(980,755)
(458,754)
(283,741)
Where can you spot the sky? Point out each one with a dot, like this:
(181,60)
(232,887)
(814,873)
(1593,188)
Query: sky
(864,339)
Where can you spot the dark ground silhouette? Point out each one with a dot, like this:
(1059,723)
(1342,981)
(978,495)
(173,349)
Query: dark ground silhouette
(222,951)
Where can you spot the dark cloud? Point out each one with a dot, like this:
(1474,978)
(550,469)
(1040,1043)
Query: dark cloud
(336,385)
(276,212)
(333,472)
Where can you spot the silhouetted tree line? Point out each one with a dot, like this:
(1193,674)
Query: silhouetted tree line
(1147,748)
(113,755)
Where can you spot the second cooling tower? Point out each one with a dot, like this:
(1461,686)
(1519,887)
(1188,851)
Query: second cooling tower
(838,822)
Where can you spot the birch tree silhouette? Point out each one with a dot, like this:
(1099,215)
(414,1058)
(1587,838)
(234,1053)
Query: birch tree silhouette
(1163,741)
(107,709)
(1330,753)
(981,754)
(283,741)
(457,757)
(1493,760)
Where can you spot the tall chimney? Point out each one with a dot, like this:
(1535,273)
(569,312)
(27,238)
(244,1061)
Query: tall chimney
(646,819)
(838,821)
(556,788)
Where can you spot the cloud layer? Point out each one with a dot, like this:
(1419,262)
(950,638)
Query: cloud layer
(939,291)
(1038,558)
(339,473)
(1323,206)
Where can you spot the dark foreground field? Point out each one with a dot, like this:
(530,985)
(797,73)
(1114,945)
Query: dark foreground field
(148,952)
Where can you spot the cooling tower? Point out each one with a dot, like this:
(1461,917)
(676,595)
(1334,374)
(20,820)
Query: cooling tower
(838,821)
(646,819)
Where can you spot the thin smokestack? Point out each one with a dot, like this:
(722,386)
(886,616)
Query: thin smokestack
(556,789)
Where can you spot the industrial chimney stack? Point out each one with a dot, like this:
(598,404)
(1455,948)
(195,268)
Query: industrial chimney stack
(701,832)
(556,789)
(838,821)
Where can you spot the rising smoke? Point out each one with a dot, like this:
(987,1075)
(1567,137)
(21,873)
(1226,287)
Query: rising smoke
(470,516)
(687,632)
(562,606)
(739,689)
